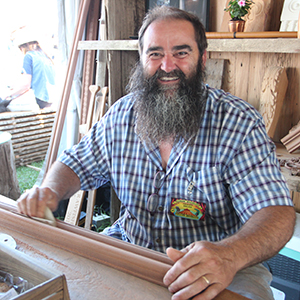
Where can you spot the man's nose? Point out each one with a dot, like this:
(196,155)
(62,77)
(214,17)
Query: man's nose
(168,63)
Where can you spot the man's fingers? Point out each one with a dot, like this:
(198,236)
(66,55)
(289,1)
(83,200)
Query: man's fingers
(175,254)
(33,202)
(21,204)
(183,263)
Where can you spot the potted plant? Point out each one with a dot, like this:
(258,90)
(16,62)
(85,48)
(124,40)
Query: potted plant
(238,9)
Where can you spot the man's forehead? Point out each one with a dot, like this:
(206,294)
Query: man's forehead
(173,31)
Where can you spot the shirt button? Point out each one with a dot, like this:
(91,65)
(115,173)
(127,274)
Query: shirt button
(157,240)
(161,208)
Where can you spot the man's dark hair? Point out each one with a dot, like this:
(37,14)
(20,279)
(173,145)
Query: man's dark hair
(169,12)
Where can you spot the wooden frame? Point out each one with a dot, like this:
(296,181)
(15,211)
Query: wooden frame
(135,260)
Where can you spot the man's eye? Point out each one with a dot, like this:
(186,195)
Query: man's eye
(155,55)
(181,54)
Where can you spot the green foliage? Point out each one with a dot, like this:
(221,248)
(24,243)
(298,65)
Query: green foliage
(27,176)
(238,8)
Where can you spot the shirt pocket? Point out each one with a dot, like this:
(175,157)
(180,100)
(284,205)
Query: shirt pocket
(208,182)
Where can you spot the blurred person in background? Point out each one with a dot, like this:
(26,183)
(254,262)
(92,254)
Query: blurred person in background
(37,71)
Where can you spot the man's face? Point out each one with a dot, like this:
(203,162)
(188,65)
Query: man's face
(169,46)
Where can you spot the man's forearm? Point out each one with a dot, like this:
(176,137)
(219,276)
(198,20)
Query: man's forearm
(62,180)
(262,236)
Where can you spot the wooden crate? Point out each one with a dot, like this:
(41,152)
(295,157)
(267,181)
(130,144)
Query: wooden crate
(31,132)
(48,283)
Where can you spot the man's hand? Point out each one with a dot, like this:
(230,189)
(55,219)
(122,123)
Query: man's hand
(201,267)
(60,183)
(34,201)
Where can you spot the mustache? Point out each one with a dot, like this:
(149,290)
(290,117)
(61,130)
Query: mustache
(163,74)
(152,84)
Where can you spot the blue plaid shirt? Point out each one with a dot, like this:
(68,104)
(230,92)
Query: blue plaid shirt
(231,170)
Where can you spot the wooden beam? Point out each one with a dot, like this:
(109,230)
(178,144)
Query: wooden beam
(255,45)
(265,45)
(120,45)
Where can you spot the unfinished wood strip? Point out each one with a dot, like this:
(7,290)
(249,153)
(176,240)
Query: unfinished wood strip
(97,115)
(23,153)
(31,146)
(17,126)
(11,124)
(89,59)
(101,104)
(29,135)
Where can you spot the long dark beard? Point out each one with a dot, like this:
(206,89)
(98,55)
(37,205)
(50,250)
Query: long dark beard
(168,113)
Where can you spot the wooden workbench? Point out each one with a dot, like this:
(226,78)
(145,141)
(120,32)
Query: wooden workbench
(75,252)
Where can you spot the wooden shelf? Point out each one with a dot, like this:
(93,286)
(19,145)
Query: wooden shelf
(272,45)
(279,45)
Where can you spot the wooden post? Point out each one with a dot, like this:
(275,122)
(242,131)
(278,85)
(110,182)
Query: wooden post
(9,185)
(120,63)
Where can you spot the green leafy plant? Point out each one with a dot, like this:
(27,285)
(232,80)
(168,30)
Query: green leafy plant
(238,8)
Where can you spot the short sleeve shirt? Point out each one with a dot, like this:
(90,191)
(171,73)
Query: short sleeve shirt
(208,190)
(39,66)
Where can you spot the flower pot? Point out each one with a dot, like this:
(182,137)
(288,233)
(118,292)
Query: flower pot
(236,26)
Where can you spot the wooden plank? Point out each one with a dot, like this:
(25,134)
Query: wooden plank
(242,67)
(228,83)
(255,78)
(30,129)
(30,151)
(33,143)
(22,122)
(74,208)
(119,45)
(34,137)
(279,45)
(214,72)
(26,146)
(255,45)
(296,200)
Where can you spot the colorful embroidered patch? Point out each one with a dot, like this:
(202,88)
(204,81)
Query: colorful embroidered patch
(188,209)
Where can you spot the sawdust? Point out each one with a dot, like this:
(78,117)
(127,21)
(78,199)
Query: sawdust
(33,251)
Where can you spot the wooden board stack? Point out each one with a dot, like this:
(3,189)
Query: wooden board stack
(31,132)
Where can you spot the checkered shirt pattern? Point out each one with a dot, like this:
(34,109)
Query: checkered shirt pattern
(232,166)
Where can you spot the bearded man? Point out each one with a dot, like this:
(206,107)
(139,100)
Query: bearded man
(193,167)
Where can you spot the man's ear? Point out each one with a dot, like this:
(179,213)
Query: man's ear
(204,57)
